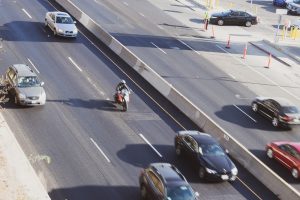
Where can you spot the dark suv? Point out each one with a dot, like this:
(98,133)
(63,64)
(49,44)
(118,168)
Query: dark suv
(279,110)
(162,181)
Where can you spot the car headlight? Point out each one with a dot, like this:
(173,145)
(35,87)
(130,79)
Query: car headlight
(60,30)
(43,96)
(22,96)
(75,31)
(234,171)
(210,171)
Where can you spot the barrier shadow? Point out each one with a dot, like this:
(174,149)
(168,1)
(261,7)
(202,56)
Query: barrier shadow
(234,115)
(96,192)
(277,167)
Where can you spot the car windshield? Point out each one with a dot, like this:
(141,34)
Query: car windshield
(290,109)
(211,150)
(297,1)
(64,20)
(183,192)
(28,81)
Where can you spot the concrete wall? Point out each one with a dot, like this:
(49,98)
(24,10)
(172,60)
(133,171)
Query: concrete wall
(275,183)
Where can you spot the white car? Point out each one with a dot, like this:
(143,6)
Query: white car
(61,24)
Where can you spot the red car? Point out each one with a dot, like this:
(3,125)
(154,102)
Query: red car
(288,154)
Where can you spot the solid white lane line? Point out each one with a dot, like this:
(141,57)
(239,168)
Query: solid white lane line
(100,150)
(33,65)
(26,13)
(245,113)
(142,14)
(125,3)
(158,47)
(141,135)
(264,76)
(160,27)
(231,76)
(188,46)
(72,61)
(249,188)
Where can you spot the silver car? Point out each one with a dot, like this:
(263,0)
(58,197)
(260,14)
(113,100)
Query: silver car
(25,86)
(61,24)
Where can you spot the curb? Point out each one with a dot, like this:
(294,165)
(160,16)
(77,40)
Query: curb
(282,50)
(267,52)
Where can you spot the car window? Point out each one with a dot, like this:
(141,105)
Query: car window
(194,144)
(269,104)
(156,182)
(290,109)
(293,152)
(283,147)
(64,20)
(183,192)
(212,150)
(28,81)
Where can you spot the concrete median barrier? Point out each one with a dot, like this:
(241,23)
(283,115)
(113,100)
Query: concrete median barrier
(271,180)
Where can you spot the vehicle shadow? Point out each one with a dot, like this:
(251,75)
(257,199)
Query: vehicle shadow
(275,166)
(106,105)
(233,114)
(134,154)
(95,192)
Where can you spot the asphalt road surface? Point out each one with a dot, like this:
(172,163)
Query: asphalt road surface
(196,66)
(95,151)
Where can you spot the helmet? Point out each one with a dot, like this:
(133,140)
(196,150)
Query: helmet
(123,81)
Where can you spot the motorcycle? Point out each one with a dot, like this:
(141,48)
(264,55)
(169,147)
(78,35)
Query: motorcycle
(122,98)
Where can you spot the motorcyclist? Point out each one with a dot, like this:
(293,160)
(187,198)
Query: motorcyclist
(122,85)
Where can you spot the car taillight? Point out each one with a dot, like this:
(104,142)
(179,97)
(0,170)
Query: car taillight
(286,118)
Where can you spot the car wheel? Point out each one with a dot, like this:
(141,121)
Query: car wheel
(270,153)
(275,122)
(248,24)
(295,173)
(220,22)
(254,107)
(178,150)
(143,192)
(201,173)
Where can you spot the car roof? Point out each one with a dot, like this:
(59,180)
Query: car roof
(282,101)
(200,137)
(23,70)
(59,13)
(296,145)
(168,172)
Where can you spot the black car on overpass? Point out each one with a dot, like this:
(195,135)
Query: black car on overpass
(233,17)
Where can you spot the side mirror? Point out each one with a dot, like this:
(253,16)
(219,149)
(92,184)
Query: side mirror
(74,22)
(197,194)
(42,83)
(227,151)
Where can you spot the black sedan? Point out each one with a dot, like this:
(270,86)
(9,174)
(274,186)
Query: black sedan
(233,17)
(211,160)
(279,110)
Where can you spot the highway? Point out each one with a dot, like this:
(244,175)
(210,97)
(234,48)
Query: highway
(213,77)
(95,151)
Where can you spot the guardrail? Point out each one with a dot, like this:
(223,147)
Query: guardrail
(262,172)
